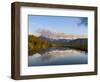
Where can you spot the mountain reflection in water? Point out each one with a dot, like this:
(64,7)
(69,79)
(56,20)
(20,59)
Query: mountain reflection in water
(58,56)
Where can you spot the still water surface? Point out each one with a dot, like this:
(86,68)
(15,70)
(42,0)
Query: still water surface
(58,56)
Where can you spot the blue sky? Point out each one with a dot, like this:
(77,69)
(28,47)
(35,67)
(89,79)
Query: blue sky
(65,24)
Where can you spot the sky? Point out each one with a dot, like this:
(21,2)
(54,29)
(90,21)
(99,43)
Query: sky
(59,24)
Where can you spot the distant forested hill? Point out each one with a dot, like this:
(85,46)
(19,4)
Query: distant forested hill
(79,44)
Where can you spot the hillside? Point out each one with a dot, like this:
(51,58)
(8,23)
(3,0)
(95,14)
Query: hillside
(81,44)
(35,44)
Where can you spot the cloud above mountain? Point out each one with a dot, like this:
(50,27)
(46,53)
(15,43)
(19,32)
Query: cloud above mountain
(48,33)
